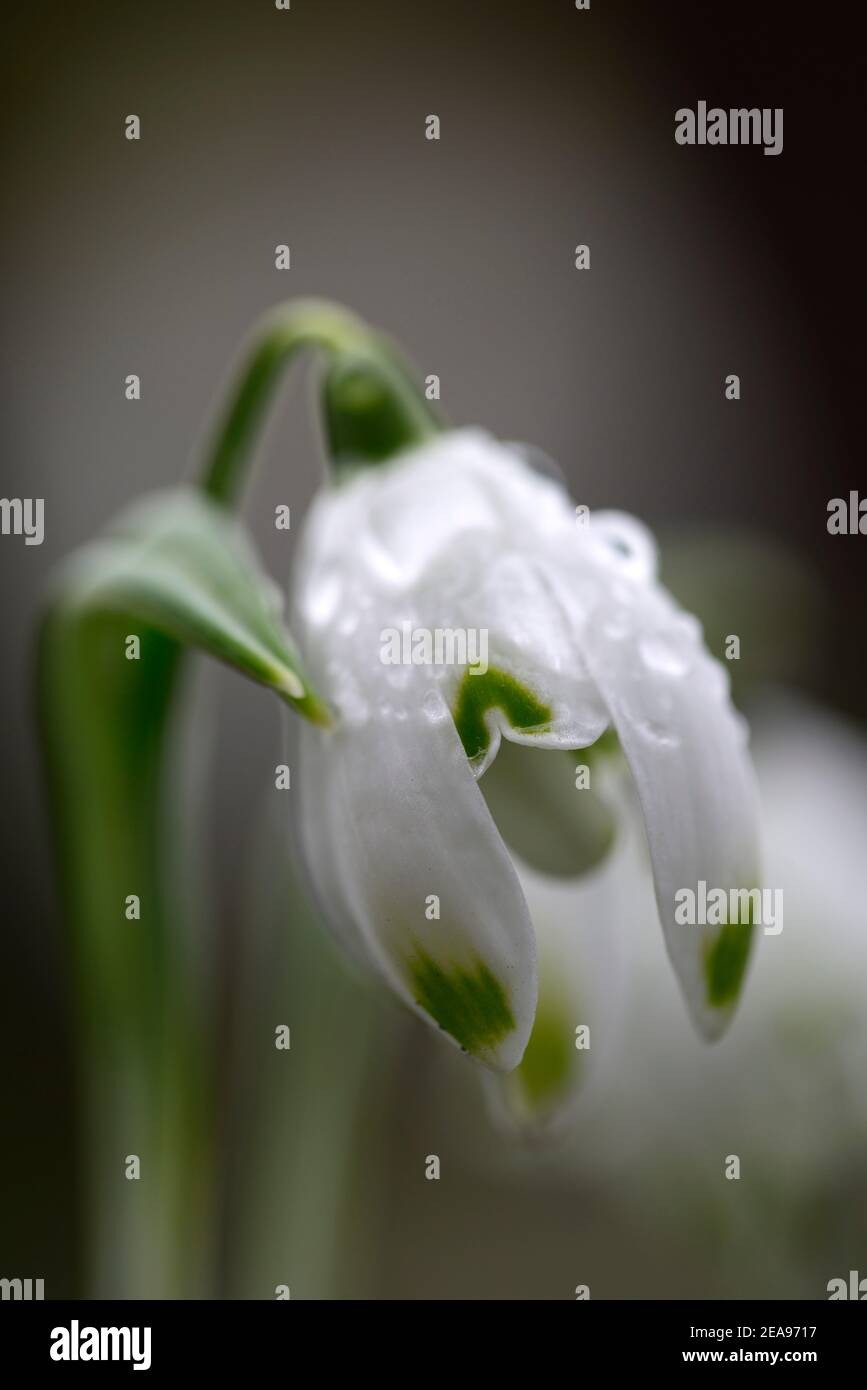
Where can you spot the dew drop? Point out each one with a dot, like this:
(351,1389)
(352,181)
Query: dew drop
(323,598)
(434,706)
(659,655)
(657,733)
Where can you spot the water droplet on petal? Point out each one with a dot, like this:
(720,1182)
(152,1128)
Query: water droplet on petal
(323,598)
(662,656)
(434,706)
(657,733)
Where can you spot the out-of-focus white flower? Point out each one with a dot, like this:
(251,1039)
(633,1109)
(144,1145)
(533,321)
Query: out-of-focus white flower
(785,1088)
(461,536)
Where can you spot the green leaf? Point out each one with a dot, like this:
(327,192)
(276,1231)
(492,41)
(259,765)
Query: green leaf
(178,562)
(174,569)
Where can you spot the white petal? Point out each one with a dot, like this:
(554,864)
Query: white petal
(462,535)
(686,747)
(456,536)
(512,598)
(319,828)
(405,856)
(579,926)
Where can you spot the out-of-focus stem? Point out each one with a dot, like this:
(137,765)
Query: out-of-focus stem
(275,341)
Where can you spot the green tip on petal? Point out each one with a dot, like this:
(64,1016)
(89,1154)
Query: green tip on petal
(469,1004)
(546,1072)
(495,689)
(726,959)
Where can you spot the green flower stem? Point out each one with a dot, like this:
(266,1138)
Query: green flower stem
(274,343)
(143,1088)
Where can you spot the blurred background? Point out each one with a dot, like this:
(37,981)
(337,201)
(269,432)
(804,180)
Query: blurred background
(306,127)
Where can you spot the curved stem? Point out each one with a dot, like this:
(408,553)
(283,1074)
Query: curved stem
(272,346)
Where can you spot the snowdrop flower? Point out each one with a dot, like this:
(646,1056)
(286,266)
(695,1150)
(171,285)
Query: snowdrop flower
(451,617)
(460,537)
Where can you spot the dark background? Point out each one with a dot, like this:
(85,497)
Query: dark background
(307,127)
